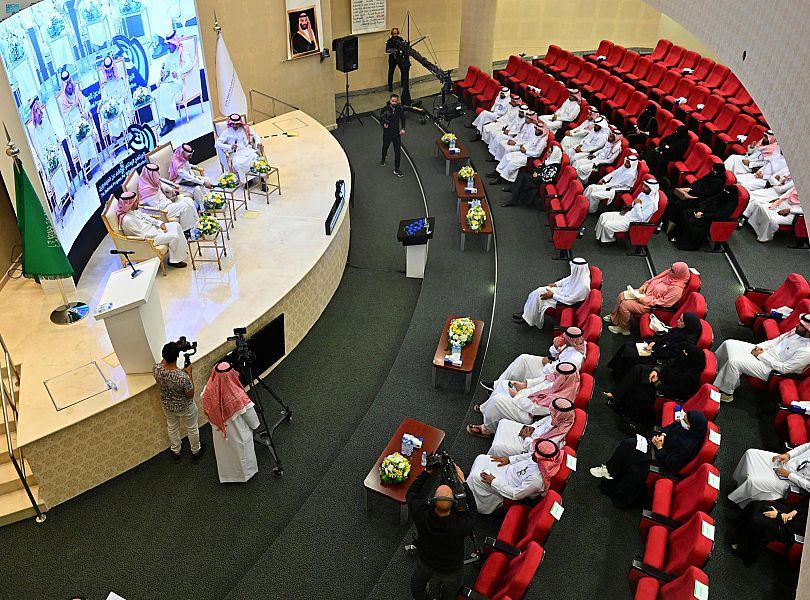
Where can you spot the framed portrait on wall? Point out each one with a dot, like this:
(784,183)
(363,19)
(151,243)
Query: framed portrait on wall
(303,28)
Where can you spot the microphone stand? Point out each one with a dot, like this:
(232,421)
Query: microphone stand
(135,272)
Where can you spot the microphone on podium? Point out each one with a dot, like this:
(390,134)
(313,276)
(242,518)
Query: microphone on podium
(125,254)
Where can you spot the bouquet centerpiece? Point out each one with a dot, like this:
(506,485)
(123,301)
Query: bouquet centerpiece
(466,173)
(461,331)
(141,97)
(131,7)
(228,181)
(56,26)
(91,13)
(110,110)
(14,43)
(52,159)
(208,226)
(213,201)
(82,130)
(395,468)
(447,138)
(476,217)
(260,166)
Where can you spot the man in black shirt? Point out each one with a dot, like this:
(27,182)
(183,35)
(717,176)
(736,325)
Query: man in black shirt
(392,117)
(392,48)
(441,531)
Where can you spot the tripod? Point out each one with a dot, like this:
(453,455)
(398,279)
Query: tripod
(347,112)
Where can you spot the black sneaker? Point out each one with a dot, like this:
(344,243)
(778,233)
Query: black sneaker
(399,174)
(518,318)
(178,265)
(176,455)
(196,455)
(382,162)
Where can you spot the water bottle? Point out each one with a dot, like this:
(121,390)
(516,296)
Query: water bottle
(424,458)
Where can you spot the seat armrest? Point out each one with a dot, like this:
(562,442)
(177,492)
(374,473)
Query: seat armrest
(798,539)
(660,519)
(655,469)
(470,593)
(757,290)
(649,571)
(501,546)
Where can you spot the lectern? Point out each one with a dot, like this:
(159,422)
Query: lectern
(414,235)
(130,309)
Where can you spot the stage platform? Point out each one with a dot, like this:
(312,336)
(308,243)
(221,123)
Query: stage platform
(279,261)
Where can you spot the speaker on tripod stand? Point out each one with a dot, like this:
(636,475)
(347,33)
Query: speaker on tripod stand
(346,61)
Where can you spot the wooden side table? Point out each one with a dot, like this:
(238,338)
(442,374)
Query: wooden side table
(197,245)
(468,353)
(443,151)
(460,187)
(230,200)
(486,228)
(271,181)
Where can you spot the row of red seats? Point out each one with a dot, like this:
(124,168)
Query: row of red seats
(515,554)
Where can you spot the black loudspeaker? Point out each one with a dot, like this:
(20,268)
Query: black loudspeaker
(345,50)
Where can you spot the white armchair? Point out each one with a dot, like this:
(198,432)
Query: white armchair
(143,248)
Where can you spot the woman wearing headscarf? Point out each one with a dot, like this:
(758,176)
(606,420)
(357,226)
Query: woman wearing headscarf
(643,208)
(685,199)
(670,149)
(182,173)
(568,290)
(154,192)
(493,480)
(661,349)
(514,441)
(765,219)
(233,419)
(665,289)
(533,371)
(634,398)
(646,127)
(523,404)
(755,155)
(763,522)
(696,222)
(624,476)
(135,222)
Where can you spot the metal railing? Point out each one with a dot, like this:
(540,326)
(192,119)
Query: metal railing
(7,398)
(257,97)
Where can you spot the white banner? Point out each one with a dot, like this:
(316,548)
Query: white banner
(304,28)
(231,94)
(368,16)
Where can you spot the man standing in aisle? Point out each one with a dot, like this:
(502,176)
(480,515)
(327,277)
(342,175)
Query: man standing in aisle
(392,118)
(393,50)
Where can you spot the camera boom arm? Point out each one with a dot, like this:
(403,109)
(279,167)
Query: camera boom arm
(438,73)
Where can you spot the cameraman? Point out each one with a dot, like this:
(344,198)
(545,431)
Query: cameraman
(177,397)
(392,48)
(441,530)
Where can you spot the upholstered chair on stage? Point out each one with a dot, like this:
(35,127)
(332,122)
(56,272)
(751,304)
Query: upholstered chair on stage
(144,249)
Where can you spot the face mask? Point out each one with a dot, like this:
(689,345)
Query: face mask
(684,423)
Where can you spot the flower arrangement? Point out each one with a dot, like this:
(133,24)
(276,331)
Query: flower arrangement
(447,138)
(52,159)
(141,97)
(213,201)
(110,110)
(461,331)
(395,468)
(476,217)
(260,166)
(131,7)
(82,130)
(208,226)
(14,43)
(228,181)
(466,172)
(91,13)
(56,26)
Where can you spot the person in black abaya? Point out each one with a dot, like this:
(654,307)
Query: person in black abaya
(646,127)
(763,522)
(683,200)
(624,476)
(662,348)
(670,149)
(695,225)
(634,398)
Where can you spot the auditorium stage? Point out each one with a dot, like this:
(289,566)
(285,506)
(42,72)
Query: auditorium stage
(279,262)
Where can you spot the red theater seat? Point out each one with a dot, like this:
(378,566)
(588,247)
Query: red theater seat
(694,302)
(604,49)
(524,524)
(639,72)
(706,400)
(653,78)
(717,76)
(661,49)
(755,304)
(640,232)
(711,108)
(504,576)
(473,73)
(720,231)
(673,57)
(575,317)
(509,70)
(702,70)
(680,588)
(673,503)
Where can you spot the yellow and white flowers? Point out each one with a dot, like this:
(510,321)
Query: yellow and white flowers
(213,201)
(260,166)
(466,172)
(208,226)
(447,138)
(461,331)
(476,217)
(395,468)
(228,181)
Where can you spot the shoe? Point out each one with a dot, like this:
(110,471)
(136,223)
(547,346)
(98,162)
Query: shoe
(507,189)
(382,162)
(180,265)
(491,159)
(620,330)
(399,174)
(487,385)
(726,397)
(168,125)
(507,203)
(196,455)
(518,317)
(601,471)
(493,174)
(176,455)
(607,319)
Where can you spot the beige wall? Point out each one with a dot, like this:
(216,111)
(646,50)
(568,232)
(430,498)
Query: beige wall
(477,39)
(255,33)
(9,234)
(673,31)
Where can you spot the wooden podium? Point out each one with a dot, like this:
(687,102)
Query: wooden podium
(130,309)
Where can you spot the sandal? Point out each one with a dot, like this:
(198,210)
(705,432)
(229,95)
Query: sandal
(476,431)
(477,408)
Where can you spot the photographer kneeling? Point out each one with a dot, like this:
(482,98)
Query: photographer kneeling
(442,524)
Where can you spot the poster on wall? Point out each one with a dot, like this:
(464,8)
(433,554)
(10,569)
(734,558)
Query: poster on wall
(303,28)
(97,85)
(368,16)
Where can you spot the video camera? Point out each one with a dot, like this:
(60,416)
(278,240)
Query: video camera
(442,463)
(187,348)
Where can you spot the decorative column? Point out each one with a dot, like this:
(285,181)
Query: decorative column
(477,34)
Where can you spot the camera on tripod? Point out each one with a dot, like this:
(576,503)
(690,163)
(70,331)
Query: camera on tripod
(443,464)
(187,348)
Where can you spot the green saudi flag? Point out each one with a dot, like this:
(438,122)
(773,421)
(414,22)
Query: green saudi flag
(43,256)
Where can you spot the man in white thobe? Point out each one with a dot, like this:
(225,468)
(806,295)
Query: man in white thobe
(644,207)
(515,440)
(509,131)
(237,142)
(762,177)
(512,162)
(788,353)
(115,90)
(574,137)
(765,219)
(568,112)
(778,185)
(512,143)
(497,110)
(593,140)
(621,179)
(135,222)
(763,475)
(606,155)
(500,124)
(170,88)
(154,192)
(568,290)
(754,156)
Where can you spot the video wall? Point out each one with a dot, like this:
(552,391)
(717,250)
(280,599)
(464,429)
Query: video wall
(98,84)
